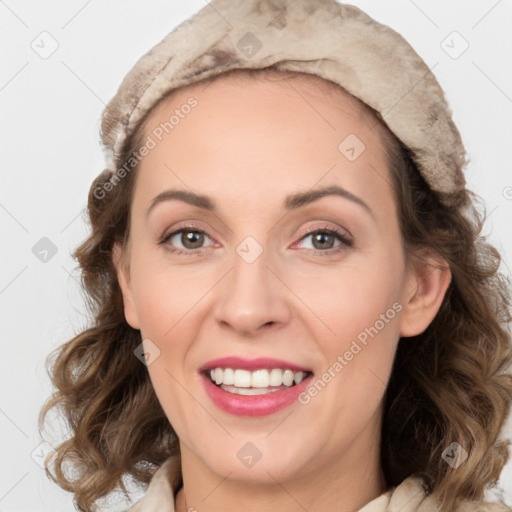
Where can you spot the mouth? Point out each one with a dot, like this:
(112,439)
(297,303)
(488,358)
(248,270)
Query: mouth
(256,387)
(259,382)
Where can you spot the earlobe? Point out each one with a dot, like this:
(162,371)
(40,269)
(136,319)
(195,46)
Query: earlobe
(424,292)
(123,278)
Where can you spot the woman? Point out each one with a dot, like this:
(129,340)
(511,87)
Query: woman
(292,307)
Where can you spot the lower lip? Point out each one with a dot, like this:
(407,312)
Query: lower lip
(253,405)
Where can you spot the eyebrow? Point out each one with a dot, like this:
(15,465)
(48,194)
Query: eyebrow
(292,201)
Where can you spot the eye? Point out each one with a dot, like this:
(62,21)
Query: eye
(323,240)
(190,238)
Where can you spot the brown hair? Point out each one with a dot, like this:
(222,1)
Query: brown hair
(448,384)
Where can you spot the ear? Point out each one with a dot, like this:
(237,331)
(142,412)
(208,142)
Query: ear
(123,277)
(425,288)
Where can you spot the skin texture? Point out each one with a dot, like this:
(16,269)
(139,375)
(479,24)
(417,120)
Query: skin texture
(248,147)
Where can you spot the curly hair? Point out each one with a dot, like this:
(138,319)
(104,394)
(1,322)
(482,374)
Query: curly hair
(448,384)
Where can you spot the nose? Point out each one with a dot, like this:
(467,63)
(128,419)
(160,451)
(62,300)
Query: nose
(252,297)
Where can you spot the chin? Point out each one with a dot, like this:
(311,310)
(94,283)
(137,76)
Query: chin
(256,461)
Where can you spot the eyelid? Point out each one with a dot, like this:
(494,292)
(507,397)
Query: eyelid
(326,227)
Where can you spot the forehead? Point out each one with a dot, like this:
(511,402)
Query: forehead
(281,96)
(262,135)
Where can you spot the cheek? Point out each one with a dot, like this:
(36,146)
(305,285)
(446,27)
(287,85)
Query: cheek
(164,296)
(361,310)
(351,296)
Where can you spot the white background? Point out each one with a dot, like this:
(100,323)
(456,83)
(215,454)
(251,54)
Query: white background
(50,118)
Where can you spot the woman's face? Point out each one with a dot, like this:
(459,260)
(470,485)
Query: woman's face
(241,275)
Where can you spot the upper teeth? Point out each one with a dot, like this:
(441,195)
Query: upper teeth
(257,379)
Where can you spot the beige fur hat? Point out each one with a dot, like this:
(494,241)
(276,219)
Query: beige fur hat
(336,42)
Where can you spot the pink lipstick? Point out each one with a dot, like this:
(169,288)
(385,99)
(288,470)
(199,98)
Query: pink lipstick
(253,387)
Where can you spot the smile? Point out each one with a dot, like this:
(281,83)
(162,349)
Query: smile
(259,382)
(253,387)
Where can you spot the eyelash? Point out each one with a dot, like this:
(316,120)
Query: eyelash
(345,241)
